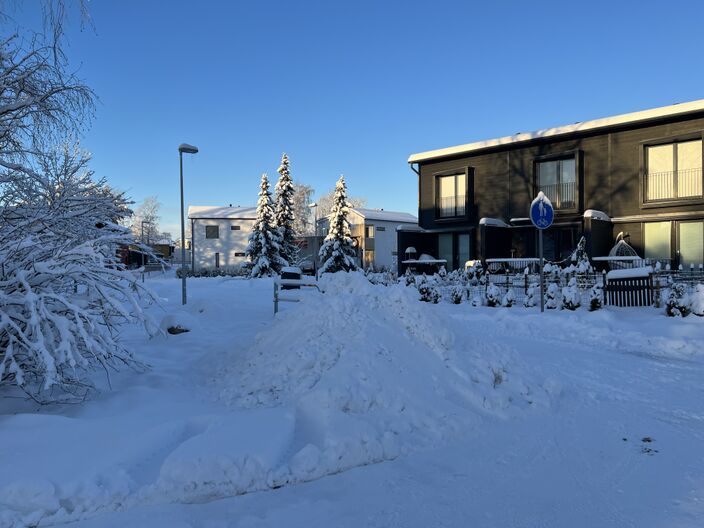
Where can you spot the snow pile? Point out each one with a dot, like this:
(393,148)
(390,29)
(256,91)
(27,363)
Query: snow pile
(371,373)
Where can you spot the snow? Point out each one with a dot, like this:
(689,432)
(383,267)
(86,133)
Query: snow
(493,222)
(596,215)
(630,273)
(417,414)
(216,211)
(632,117)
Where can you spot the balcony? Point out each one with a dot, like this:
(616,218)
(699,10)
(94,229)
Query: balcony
(562,195)
(674,185)
(451,206)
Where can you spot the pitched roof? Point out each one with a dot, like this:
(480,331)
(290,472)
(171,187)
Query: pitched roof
(580,126)
(217,212)
(385,216)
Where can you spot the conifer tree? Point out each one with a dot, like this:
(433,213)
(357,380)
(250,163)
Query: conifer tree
(264,245)
(283,211)
(337,252)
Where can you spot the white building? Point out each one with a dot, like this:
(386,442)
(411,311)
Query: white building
(375,233)
(219,235)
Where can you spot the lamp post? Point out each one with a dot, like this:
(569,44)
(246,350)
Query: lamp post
(142,241)
(314,206)
(188,149)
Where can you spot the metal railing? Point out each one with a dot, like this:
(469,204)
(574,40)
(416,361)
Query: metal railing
(451,206)
(672,185)
(562,195)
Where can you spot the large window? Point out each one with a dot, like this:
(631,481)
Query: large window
(657,240)
(691,244)
(673,171)
(558,181)
(212,232)
(445,249)
(451,195)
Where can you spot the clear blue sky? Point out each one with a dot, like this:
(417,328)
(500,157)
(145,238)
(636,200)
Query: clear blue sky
(355,87)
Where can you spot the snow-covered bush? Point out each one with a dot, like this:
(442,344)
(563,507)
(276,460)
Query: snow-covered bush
(337,252)
(530,299)
(442,273)
(509,299)
(678,303)
(477,301)
(697,300)
(493,295)
(552,296)
(596,297)
(409,278)
(63,289)
(427,291)
(457,294)
(571,296)
(264,248)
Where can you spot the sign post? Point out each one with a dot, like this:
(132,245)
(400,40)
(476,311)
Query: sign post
(542,215)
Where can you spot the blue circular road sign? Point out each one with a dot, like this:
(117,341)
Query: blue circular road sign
(541,212)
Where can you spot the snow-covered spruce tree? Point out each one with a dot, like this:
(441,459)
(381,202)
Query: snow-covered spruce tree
(264,245)
(337,252)
(571,296)
(678,303)
(284,213)
(457,294)
(63,290)
(427,291)
(409,278)
(530,299)
(596,297)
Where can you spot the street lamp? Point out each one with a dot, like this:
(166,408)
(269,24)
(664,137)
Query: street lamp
(188,149)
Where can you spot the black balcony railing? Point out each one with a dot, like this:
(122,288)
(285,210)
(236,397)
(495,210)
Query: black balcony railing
(451,206)
(674,185)
(562,195)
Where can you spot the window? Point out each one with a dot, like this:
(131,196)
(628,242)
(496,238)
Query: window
(558,181)
(217,260)
(445,249)
(657,240)
(691,244)
(239,253)
(673,171)
(369,231)
(462,249)
(381,228)
(451,192)
(212,232)
(234,228)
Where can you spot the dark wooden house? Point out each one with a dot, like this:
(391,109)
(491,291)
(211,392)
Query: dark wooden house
(638,174)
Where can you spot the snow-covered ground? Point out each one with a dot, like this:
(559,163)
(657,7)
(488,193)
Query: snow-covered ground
(365,407)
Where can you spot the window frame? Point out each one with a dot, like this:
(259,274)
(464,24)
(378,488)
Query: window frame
(457,173)
(665,140)
(576,155)
(217,232)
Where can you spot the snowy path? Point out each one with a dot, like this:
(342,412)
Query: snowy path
(610,375)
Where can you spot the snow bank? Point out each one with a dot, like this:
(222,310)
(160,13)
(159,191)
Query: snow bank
(371,373)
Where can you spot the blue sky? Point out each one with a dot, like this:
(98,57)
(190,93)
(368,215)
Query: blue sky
(355,87)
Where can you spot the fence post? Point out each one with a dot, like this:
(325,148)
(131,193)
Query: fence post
(603,284)
(276,297)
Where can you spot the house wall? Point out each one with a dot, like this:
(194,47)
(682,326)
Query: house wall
(227,245)
(385,243)
(501,181)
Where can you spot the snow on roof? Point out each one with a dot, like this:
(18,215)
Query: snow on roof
(493,222)
(386,216)
(580,126)
(630,273)
(218,211)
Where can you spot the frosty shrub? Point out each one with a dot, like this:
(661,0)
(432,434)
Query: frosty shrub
(529,300)
(427,291)
(476,301)
(596,296)
(457,294)
(509,299)
(697,300)
(409,278)
(571,297)
(442,273)
(63,290)
(493,295)
(551,296)
(678,303)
